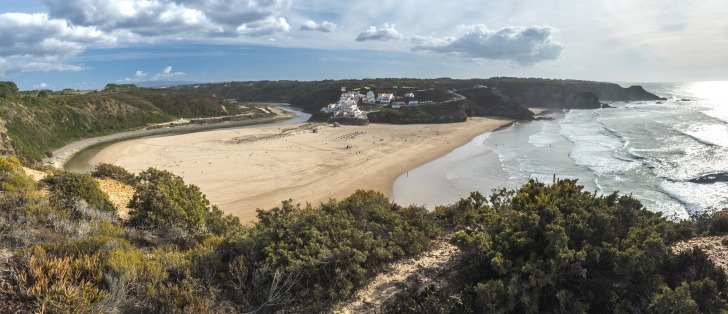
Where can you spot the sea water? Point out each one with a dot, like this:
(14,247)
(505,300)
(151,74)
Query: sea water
(649,149)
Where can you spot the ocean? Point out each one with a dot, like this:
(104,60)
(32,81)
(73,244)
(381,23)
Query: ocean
(656,151)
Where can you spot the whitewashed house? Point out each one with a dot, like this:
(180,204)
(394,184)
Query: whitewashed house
(371,97)
(385,98)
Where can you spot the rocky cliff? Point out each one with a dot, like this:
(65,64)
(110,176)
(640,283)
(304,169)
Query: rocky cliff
(567,94)
(492,102)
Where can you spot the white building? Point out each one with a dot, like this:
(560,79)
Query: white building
(346,106)
(385,98)
(371,98)
(409,95)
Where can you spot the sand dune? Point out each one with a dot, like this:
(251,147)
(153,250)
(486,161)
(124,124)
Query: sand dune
(241,170)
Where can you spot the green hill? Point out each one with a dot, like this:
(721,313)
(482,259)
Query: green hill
(32,125)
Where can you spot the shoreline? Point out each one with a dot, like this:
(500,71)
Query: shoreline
(241,170)
(62,155)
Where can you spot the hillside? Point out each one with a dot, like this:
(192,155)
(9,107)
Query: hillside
(508,99)
(32,125)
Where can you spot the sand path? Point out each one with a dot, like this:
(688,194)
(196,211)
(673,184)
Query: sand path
(429,268)
(241,170)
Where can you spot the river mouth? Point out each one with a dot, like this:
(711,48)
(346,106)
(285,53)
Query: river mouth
(80,162)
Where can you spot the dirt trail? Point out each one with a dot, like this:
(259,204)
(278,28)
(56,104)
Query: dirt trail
(429,268)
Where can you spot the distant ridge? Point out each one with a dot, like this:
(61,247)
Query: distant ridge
(156,84)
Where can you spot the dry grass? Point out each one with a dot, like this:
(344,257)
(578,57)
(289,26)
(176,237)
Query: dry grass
(35,174)
(119,193)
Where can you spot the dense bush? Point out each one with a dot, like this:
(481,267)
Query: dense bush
(104,170)
(163,200)
(314,256)
(542,248)
(71,188)
(715,223)
(555,248)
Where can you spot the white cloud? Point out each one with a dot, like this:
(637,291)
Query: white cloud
(325,26)
(523,45)
(173,18)
(140,74)
(167,73)
(387,32)
(34,42)
(40,86)
(264,27)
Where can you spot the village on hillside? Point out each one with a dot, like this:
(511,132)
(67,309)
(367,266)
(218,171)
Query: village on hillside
(348,104)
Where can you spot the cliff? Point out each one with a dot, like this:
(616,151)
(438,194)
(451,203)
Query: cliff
(566,94)
(492,102)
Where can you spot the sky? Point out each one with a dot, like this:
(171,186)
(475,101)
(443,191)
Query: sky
(86,44)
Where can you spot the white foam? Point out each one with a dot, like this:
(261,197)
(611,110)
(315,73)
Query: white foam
(710,134)
(697,197)
(549,135)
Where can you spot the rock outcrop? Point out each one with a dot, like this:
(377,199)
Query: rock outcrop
(492,102)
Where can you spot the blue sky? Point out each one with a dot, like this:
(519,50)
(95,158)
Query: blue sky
(85,44)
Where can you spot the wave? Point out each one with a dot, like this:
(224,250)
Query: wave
(696,198)
(548,135)
(711,134)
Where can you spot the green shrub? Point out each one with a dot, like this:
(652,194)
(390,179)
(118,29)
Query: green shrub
(70,188)
(163,200)
(715,223)
(117,173)
(555,248)
(719,222)
(315,256)
(12,176)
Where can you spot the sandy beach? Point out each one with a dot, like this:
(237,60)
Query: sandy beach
(241,170)
(62,155)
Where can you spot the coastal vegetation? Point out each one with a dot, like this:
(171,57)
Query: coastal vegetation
(540,248)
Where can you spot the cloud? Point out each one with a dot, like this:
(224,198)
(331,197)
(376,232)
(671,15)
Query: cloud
(173,18)
(325,26)
(34,42)
(40,86)
(265,27)
(387,32)
(140,74)
(523,45)
(167,73)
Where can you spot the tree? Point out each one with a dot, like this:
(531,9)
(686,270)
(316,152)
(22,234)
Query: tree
(162,199)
